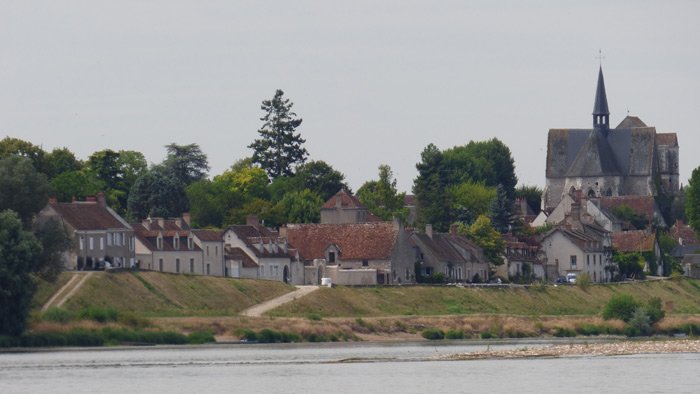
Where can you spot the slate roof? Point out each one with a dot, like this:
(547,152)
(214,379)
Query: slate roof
(633,241)
(670,139)
(255,236)
(168,227)
(238,254)
(371,241)
(89,216)
(149,239)
(594,158)
(446,247)
(630,122)
(209,235)
(347,200)
(600,105)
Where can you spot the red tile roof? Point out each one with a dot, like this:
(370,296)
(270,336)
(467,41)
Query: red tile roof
(683,231)
(640,204)
(633,241)
(347,200)
(667,139)
(356,241)
(149,239)
(88,216)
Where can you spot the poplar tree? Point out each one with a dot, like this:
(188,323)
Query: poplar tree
(279,146)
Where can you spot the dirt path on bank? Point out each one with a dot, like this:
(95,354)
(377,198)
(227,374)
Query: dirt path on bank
(67,291)
(259,309)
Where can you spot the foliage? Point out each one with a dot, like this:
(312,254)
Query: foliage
(76,184)
(471,199)
(454,334)
(57,315)
(278,147)
(55,241)
(638,324)
(22,188)
(16,147)
(620,306)
(486,237)
(265,210)
(583,280)
(106,336)
(692,200)
(433,333)
(157,194)
(209,202)
(100,315)
(301,207)
(626,213)
(19,250)
(501,211)
(430,188)
(532,195)
(58,161)
(381,197)
(629,264)
(322,179)
(654,310)
(186,163)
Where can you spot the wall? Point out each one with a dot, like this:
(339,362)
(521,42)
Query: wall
(351,277)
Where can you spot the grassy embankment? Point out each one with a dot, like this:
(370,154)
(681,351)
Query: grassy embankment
(189,304)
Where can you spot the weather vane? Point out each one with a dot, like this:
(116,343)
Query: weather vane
(600,57)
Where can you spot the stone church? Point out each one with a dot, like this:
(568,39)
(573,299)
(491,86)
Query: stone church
(631,159)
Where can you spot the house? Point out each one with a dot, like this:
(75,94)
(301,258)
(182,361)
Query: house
(211,242)
(452,255)
(253,245)
(639,241)
(167,245)
(343,207)
(575,246)
(353,253)
(101,238)
(630,160)
(521,259)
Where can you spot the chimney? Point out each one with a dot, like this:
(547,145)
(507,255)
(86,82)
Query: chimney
(187,218)
(252,220)
(283,232)
(429,230)
(102,199)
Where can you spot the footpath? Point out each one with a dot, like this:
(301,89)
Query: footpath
(67,291)
(259,309)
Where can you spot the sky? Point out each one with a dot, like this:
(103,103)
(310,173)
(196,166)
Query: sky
(375,82)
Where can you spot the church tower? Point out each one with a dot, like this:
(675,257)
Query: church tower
(601,114)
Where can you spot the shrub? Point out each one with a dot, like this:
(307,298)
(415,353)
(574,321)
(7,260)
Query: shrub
(200,337)
(433,334)
(57,315)
(454,334)
(639,323)
(486,335)
(100,315)
(583,280)
(654,310)
(563,332)
(314,316)
(620,306)
(589,329)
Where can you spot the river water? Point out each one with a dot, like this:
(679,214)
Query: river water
(339,368)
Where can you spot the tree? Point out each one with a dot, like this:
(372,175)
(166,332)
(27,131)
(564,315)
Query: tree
(186,163)
(692,200)
(501,211)
(55,241)
(10,146)
(157,193)
(322,179)
(381,197)
(76,184)
(278,147)
(209,202)
(430,189)
(532,195)
(105,165)
(19,250)
(301,207)
(469,200)
(22,188)
(60,160)
(486,237)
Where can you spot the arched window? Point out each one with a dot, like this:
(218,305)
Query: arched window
(608,192)
(591,193)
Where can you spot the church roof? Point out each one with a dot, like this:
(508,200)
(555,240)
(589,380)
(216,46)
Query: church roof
(630,122)
(594,158)
(600,107)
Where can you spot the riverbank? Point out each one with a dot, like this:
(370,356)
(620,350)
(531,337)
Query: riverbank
(656,346)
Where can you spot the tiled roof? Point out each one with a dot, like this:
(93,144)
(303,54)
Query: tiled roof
(209,235)
(447,247)
(683,231)
(88,216)
(169,227)
(238,254)
(347,200)
(355,241)
(631,122)
(640,204)
(149,239)
(255,236)
(633,241)
(667,139)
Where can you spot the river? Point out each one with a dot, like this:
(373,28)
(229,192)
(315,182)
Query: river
(339,368)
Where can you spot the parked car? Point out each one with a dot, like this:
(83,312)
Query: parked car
(562,280)
(571,277)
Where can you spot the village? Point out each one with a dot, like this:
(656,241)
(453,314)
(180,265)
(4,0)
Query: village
(600,200)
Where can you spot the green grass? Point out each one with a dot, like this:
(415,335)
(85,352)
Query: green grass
(683,295)
(153,294)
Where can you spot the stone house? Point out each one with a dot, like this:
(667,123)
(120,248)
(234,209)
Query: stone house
(521,258)
(343,207)
(630,160)
(274,259)
(167,245)
(453,255)
(100,237)
(353,253)
(211,242)
(639,241)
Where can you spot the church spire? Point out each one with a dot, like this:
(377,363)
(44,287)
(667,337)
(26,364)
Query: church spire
(601,114)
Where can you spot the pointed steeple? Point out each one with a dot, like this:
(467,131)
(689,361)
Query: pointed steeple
(601,114)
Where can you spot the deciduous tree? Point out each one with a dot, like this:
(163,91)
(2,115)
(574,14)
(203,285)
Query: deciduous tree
(22,188)
(381,197)
(187,163)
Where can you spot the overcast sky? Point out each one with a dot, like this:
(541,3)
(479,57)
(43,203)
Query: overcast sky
(374,81)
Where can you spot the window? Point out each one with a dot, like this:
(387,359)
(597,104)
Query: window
(177,265)
(189,244)
(208,269)
(207,250)
(82,242)
(176,243)
(588,260)
(573,261)
(216,250)
(92,243)
(109,239)
(102,243)
(159,242)
(122,239)
(365,263)
(160,265)
(331,257)
(191,265)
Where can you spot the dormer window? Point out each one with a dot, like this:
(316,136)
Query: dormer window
(190,244)
(176,242)
(159,242)
(331,257)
